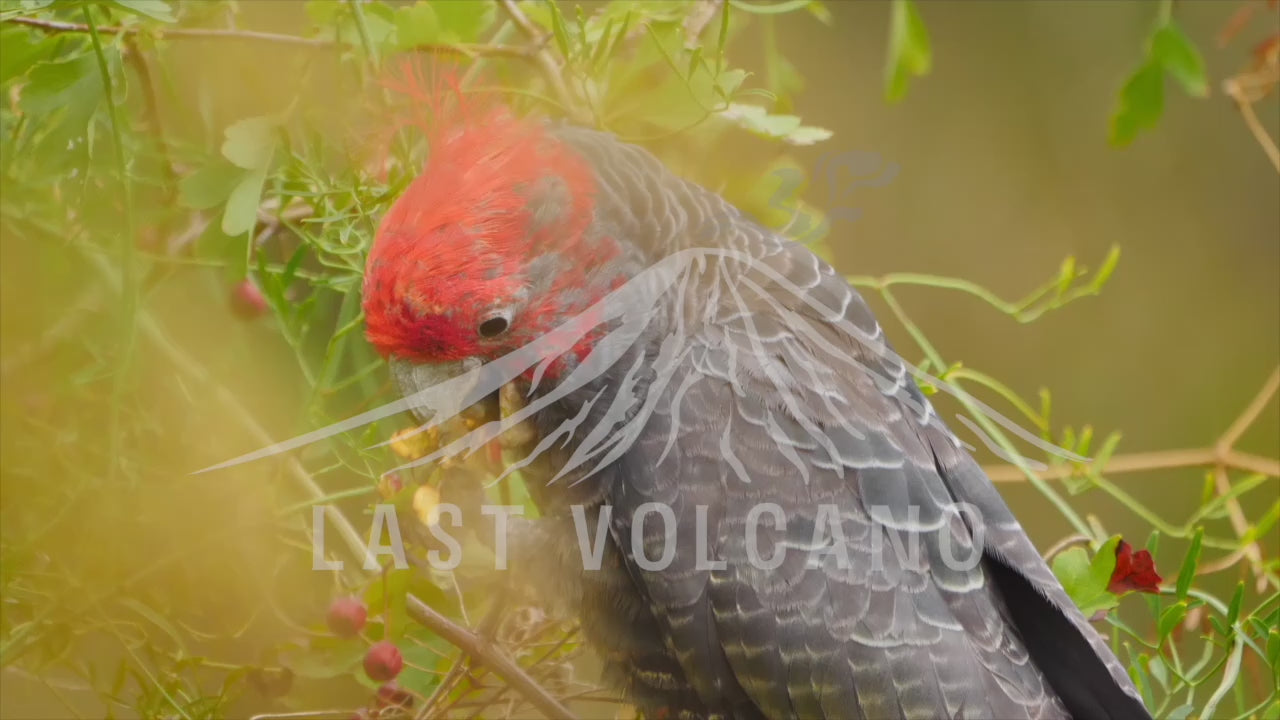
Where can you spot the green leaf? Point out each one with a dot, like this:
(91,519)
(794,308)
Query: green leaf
(1189,563)
(1179,57)
(1158,672)
(1108,267)
(558,29)
(1181,713)
(1140,104)
(1086,580)
(422,672)
(1067,275)
(1138,671)
(464,20)
(209,186)
(695,58)
(808,135)
(1237,601)
(397,614)
(1264,525)
(909,50)
(154,9)
(729,81)
(609,42)
(1170,618)
(379,23)
(250,142)
(1273,649)
(1219,627)
(766,8)
(22,50)
(64,97)
(416,25)
(760,121)
(241,213)
(157,619)
(322,12)
(51,85)
(820,12)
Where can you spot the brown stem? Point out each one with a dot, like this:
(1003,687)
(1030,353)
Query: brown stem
(197,371)
(1234,88)
(1250,413)
(140,66)
(1158,460)
(306,715)
(494,659)
(484,630)
(1065,543)
(699,17)
(551,71)
(1222,481)
(57,26)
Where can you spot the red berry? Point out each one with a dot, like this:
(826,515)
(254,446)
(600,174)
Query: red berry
(392,695)
(247,300)
(383,662)
(346,617)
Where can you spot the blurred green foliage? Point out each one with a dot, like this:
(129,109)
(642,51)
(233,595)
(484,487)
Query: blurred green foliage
(137,192)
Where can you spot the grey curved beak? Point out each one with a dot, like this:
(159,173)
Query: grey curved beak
(412,378)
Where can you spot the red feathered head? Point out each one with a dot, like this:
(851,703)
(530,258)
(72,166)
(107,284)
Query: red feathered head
(475,258)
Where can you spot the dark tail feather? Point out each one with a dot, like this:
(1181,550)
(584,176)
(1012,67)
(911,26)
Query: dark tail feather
(1073,669)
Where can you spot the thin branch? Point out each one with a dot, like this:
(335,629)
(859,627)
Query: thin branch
(1069,541)
(551,71)
(1236,91)
(467,49)
(463,639)
(1250,414)
(307,715)
(699,17)
(68,324)
(1222,563)
(140,66)
(451,679)
(555,647)
(1239,523)
(494,659)
(57,26)
(1221,457)
(197,371)
(1139,462)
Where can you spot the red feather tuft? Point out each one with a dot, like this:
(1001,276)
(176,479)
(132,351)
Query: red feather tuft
(497,191)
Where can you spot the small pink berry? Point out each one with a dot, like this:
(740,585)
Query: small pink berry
(383,662)
(392,695)
(247,301)
(346,617)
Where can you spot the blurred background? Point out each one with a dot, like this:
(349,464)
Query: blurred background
(176,292)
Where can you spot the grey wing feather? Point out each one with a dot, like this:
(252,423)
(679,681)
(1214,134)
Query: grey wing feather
(776,405)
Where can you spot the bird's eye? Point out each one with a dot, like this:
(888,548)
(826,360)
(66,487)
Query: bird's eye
(494,326)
